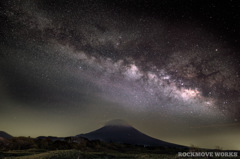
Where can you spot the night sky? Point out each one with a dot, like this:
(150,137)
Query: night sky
(170,68)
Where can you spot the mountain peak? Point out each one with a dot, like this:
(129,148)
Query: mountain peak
(5,135)
(117,122)
(119,131)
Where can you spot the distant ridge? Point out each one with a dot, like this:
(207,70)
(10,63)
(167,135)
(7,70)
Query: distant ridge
(119,131)
(5,135)
(53,138)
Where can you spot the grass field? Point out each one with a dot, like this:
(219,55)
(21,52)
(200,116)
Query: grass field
(75,154)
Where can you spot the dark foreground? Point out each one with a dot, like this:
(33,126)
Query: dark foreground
(77,154)
(82,148)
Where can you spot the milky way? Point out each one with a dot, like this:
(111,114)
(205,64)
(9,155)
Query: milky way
(76,54)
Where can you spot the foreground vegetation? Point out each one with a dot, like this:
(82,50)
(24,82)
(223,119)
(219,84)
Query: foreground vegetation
(78,143)
(82,148)
(76,154)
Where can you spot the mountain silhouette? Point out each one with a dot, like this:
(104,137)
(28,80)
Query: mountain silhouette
(5,135)
(121,132)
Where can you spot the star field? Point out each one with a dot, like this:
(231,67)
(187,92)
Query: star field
(172,65)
